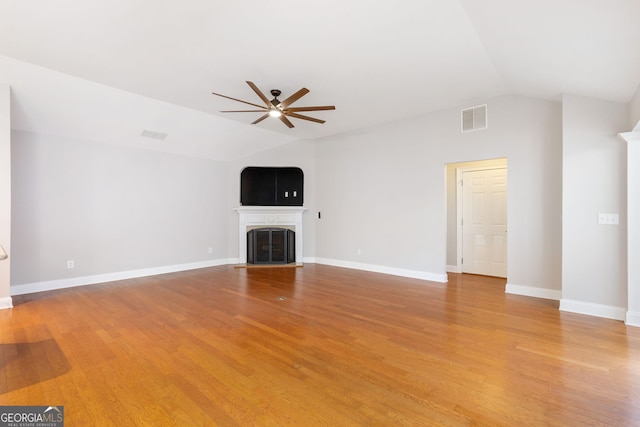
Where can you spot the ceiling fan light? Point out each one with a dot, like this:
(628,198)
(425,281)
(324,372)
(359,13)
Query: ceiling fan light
(274,112)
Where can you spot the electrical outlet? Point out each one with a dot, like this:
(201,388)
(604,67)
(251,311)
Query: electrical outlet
(210,250)
(70,264)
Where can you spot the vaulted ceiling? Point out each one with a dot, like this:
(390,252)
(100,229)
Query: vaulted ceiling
(106,70)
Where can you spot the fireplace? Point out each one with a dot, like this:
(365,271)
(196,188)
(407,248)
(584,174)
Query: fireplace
(275,217)
(268,245)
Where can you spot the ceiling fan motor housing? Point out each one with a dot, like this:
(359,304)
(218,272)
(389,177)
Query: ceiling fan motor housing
(276,93)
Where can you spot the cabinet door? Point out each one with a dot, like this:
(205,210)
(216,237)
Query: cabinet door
(258,186)
(289,187)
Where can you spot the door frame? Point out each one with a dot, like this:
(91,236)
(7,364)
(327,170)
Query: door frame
(459,172)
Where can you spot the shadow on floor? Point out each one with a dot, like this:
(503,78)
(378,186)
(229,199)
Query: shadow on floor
(26,363)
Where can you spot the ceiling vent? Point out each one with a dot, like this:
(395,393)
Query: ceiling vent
(474,118)
(154,135)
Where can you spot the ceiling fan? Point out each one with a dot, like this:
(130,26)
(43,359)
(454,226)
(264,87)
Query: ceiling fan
(277,108)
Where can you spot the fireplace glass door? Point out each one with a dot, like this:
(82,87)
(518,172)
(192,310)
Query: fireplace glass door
(271,246)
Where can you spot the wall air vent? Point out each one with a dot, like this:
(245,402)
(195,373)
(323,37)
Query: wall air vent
(154,135)
(474,118)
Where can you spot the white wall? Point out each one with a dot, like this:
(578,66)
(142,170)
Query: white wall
(382,191)
(297,154)
(594,181)
(5,193)
(111,209)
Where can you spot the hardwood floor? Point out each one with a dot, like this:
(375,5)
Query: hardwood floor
(316,345)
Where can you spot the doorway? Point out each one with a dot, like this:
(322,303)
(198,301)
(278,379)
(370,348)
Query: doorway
(477,217)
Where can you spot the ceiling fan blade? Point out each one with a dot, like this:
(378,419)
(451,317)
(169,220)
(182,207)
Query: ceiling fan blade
(300,116)
(286,121)
(259,93)
(239,100)
(244,111)
(318,108)
(293,98)
(260,119)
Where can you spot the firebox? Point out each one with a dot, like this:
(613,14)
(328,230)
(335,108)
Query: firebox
(270,245)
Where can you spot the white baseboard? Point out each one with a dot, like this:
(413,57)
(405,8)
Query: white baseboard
(591,309)
(6,302)
(423,275)
(51,285)
(632,319)
(453,269)
(530,291)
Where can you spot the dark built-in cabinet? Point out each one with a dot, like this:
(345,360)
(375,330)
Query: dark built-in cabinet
(271,186)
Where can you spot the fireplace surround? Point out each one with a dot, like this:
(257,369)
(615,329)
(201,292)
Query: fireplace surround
(287,217)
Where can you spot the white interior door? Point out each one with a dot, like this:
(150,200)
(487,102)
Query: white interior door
(484,222)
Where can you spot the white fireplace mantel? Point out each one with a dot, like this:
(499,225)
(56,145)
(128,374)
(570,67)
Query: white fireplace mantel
(269,216)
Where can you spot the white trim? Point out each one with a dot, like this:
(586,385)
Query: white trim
(452,269)
(632,319)
(633,226)
(591,309)
(51,285)
(531,291)
(414,274)
(5,303)
(633,136)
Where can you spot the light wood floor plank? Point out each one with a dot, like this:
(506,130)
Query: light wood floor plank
(316,345)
